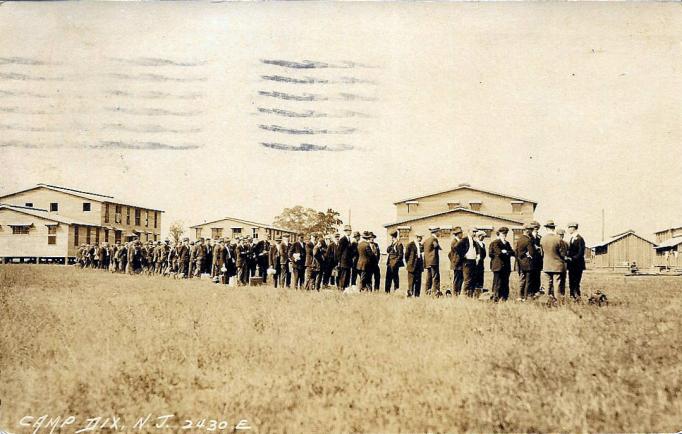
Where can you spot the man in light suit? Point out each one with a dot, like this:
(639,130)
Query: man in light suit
(414,260)
(500,264)
(366,259)
(575,259)
(553,264)
(393,262)
(432,263)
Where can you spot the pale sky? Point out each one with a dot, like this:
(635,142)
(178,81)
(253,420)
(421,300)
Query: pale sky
(574,105)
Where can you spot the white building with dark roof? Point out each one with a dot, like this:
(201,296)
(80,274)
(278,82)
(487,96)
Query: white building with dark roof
(72,217)
(232,227)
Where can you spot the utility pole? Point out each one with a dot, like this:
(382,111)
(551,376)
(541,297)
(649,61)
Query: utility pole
(602,224)
(349,221)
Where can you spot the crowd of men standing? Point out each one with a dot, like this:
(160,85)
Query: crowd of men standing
(352,259)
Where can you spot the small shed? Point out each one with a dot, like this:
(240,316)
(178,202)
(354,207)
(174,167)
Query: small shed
(621,250)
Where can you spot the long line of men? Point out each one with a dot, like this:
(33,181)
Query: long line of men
(352,259)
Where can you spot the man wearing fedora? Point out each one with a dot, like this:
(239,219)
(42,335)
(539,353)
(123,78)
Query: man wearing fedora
(553,264)
(354,254)
(500,253)
(456,261)
(297,257)
(432,262)
(414,260)
(393,263)
(575,259)
(365,263)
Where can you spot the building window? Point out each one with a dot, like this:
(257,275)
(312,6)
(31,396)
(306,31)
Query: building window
(96,235)
(20,230)
(517,207)
(411,205)
(54,207)
(128,215)
(117,236)
(106,235)
(445,232)
(87,234)
(156,219)
(475,205)
(216,233)
(29,204)
(197,233)
(137,216)
(75,235)
(117,215)
(146,218)
(255,233)
(156,237)
(403,233)
(453,205)
(86,206)
(236,232)
(52,234)
(106,213)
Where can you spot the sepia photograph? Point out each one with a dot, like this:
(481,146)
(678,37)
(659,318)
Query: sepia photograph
(340,217)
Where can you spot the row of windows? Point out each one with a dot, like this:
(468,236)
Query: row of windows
(137,215)
(517,207)
(218,232)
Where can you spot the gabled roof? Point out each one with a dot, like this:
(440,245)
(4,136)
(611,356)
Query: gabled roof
(97,197)
(672,242)
(668,229)
(246,222)
(467,187)
(43,214)
(459,209)
(621,236)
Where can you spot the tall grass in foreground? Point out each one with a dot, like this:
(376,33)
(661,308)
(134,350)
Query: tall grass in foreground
(89,343)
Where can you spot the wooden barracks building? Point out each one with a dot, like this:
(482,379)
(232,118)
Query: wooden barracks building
(47,223)
(231,227)
(462,206)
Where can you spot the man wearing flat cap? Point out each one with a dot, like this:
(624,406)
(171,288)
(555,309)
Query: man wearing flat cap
(467,250)
(393,263)
(575,259)
(432,262)
(554,266)
(500,252)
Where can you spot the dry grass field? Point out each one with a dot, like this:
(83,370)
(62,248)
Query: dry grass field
(87,343)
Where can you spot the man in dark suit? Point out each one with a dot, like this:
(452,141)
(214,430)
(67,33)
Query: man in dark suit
(218,259)
(275,260)
(432,263)
(344,255)
(575,260)
(500,264)
(538,260)
(262,252)
(479,273)
(243,258)
(414,260)
(331,261)
(456,261)
(354,251)
(366,259)
(393,263)
(284,262)
(297,259)
(310,266)
(376,270)
(525,254)
(184,258)
(467,251)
